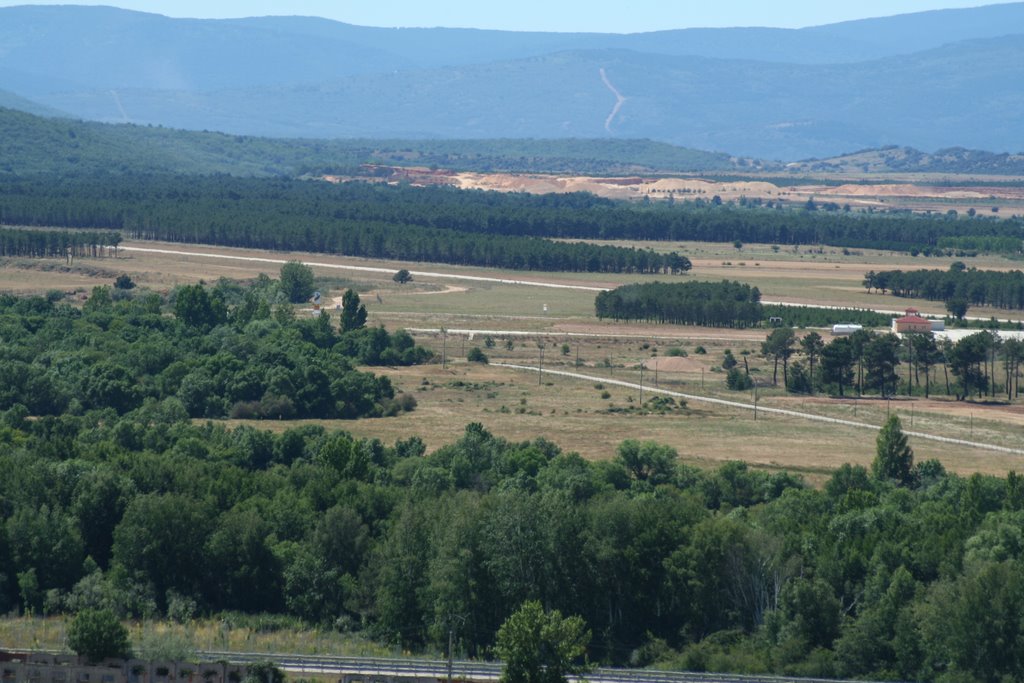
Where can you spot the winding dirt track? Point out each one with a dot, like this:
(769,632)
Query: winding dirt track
(619,101)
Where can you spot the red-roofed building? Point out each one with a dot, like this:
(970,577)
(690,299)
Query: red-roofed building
(912,323)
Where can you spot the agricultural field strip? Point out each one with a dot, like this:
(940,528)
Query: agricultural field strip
(452,276)
(776,411)
(369,269)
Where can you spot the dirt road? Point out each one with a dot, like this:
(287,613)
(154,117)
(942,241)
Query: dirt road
(761,409)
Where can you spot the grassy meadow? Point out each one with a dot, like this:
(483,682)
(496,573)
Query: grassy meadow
(575,413)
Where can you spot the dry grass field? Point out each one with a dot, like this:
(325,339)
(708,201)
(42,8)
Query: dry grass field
(574,413)
(50,633)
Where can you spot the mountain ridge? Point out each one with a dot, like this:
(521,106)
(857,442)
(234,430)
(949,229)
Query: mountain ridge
(59,145)
(315,78)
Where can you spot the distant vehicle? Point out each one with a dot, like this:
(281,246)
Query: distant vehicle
(845,329)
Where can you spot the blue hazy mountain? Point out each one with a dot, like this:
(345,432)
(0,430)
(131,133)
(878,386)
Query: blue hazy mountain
(930,80)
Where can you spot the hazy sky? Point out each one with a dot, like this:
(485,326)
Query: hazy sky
(542,15)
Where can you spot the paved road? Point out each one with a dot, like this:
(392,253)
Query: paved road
(483,672)
(365,269)
(762,409)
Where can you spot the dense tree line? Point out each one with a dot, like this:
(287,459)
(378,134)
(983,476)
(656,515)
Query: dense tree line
(224,352)
(56,243)
(352,219)
(812,316)
(976,287)
(983,243)
(443,224)
(980,365)
(717,304)
(903,572)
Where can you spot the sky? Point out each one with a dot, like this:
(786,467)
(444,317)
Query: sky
(604,16)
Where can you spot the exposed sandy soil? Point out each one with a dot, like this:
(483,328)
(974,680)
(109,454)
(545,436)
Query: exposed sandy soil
(923,196)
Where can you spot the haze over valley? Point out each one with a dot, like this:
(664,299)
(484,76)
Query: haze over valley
(923,80)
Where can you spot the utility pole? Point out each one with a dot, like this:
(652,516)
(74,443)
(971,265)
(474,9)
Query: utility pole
(451,643)
(444,348)
(641,384)
(540,363)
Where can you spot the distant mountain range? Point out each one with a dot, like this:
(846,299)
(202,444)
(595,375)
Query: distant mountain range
(942,79)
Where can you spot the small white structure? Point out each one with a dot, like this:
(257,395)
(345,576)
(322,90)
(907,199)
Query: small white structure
(938,325)
(845,329)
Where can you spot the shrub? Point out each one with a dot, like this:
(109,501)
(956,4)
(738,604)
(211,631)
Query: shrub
(123,282)
(98,635)
(737,380)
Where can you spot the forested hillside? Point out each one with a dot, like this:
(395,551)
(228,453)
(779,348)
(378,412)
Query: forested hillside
(36,144)
(45,142)
(908,160)
(114,499)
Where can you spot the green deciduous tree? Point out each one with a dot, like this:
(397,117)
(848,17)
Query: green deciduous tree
(97,635)
(162,539)
(539,646)
(297,281)
(971,626)
(647,461)
(199,309)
